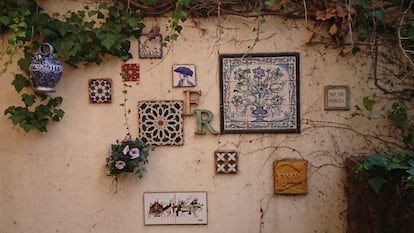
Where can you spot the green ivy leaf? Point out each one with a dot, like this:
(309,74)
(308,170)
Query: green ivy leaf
(92,13)
(109,41)
(27,127)
(270,2)
(53,102)
(103,5)
(368,104)
(411,171)
(178,29)
(257,10)
(28,99)
(365,32)
(362,3)
(9,110)
(376,183)
(5,20)
(379,15)
(174,37)
(58,114)
(410,32)
(373,160)
(20,82)
(132,21)
(42,111)
(183,16)
(355,50)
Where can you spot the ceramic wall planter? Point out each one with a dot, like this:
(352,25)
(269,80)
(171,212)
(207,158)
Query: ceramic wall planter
(45,69)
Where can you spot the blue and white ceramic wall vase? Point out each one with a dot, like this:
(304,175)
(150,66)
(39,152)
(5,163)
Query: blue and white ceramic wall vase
(45,69)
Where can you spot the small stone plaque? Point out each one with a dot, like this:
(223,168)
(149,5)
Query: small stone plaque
(336,98)
(290,176)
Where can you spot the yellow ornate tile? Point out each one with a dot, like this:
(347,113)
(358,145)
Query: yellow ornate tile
(290,176)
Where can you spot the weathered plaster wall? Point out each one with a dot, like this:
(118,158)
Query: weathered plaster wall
(56,182)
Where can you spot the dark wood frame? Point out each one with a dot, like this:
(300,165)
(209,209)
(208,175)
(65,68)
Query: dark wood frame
(295,57)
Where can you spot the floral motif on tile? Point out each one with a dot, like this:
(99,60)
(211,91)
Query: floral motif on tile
(100,90)
(161,122)
(132,72)
(226,162)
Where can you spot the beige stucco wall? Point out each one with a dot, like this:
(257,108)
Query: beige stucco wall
(56,182)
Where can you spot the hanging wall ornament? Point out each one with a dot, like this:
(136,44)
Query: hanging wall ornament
(45,69)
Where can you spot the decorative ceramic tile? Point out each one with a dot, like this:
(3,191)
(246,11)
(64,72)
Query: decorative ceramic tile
(162,208)
(150,47)
(260,93)
(337,98)
(226,162)
(131,71)
(161,122)
(184,76)
(100,90)
(290,176)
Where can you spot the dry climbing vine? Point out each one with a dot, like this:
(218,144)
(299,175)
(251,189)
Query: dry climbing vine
(383,29)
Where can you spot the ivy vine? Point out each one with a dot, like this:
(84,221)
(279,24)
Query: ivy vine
(80,37)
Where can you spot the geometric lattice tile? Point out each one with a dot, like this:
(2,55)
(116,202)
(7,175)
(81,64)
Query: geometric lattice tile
(290,176)
(226,161)
(100,90)
(131,72)
(161,122)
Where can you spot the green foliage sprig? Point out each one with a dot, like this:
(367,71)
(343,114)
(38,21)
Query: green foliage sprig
(178,15)
(395,168)
(127,155)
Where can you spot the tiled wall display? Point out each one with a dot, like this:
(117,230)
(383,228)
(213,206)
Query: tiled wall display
(161,122)
(226,161)
(100,90)
(131,72)
(290,176)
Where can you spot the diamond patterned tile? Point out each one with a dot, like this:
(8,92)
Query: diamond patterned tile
(226,161)
(132,72)
(150,46)
(100,91)
(161,122)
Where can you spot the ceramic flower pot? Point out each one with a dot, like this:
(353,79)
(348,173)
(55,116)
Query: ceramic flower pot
(46,70)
